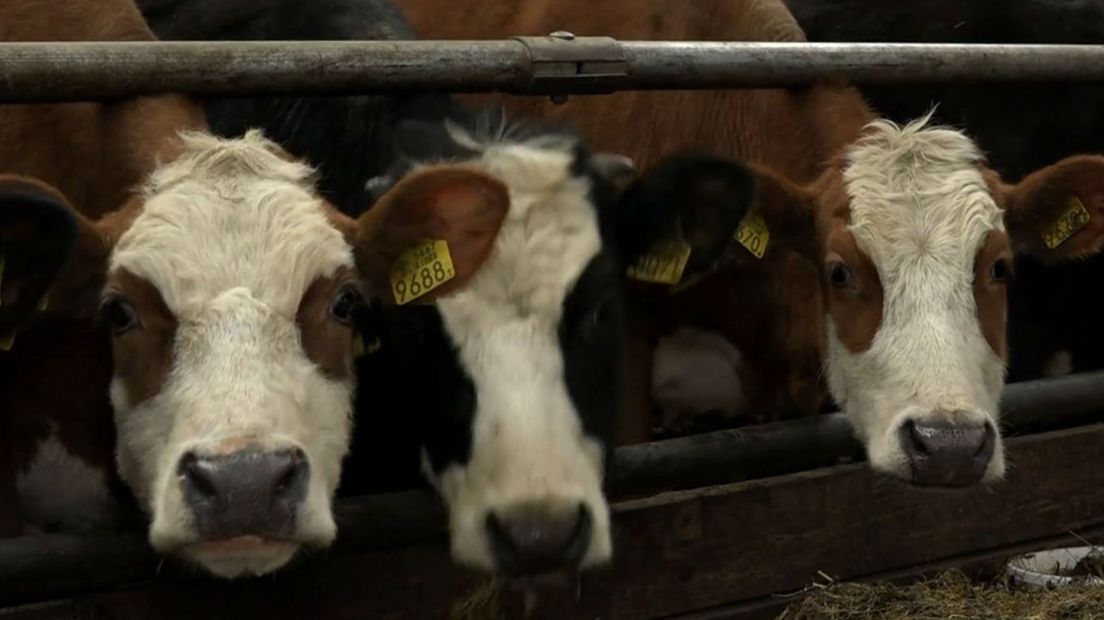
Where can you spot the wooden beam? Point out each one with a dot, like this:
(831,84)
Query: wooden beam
(686,551)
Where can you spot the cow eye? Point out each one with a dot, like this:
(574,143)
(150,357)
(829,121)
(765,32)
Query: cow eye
(1000,271)
(345,304)
(121,315)
(839,274)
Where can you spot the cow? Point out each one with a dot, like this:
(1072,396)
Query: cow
(1052,326)
(226,289)
(877,252)
(503,394)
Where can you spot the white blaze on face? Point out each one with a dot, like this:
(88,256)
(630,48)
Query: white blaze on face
(232,235)
(528,444)
(920,209)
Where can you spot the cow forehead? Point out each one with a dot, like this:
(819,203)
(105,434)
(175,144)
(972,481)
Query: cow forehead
(231,214)
(918,199)
(549,235)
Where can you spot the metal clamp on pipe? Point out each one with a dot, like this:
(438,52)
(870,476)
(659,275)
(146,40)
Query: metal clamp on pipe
(590,64)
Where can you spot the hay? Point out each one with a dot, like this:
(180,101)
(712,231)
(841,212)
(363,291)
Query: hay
(482,603)
(950,596)
(1091,565)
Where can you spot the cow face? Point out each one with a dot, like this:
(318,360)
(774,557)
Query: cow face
(230,292)
(914,237)
(513,378)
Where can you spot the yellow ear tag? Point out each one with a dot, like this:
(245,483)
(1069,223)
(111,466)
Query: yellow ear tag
(1,278)
(1072,220)
(753,234)
(44,303)
(7,341)
(421,269)
(664,263)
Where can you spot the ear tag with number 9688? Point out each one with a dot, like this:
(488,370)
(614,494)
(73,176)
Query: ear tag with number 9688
(420,270)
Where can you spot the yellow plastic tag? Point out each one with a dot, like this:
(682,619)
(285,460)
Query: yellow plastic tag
(421,269)
(1,278)
(664,263)
(753,234)
(44,303)
(1072,220)
(6,341)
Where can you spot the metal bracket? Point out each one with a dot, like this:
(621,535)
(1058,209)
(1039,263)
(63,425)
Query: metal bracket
(562,61)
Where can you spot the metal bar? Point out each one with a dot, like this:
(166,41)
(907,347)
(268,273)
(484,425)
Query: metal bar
(77,71)
(825,440)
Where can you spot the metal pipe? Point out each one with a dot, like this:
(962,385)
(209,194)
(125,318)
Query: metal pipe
(77,71)
(821,441)
(41,567)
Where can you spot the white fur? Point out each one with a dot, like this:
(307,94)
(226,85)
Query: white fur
(58,489)
(695,372)
(528,443)
(232,235)
(921,210)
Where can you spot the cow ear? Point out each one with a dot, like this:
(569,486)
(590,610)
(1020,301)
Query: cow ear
(617,170)
(53,259)
(429,234)
(709,206)
(1057,213)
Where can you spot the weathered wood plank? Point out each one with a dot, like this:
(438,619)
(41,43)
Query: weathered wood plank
(691,550)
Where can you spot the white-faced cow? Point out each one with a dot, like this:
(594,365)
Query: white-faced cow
(886,253)
(230,289)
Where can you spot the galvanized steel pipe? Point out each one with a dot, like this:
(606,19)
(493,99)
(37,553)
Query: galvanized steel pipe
(76,71)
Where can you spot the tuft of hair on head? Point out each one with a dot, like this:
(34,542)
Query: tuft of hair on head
(203,155)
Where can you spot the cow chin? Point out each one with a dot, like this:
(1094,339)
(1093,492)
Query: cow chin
(243,556)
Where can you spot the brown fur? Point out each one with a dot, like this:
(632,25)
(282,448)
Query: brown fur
(991,297)
(96,154)
(856,309)
(143,355)
(326,341)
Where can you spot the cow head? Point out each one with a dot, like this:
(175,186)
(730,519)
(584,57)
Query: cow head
(914,238)
(230,287)
(513,379)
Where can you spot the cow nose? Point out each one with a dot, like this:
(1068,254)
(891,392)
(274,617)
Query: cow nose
(942,454)
(533,538)
(247,492)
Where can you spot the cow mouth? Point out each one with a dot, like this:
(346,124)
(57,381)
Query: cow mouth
(243,544)
(242,555)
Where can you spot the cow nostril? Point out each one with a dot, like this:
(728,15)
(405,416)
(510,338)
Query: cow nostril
(534,538)
(290,473)
(914,440)
(197,477)
(988,444)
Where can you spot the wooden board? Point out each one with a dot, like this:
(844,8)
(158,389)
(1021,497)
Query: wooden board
(693,550)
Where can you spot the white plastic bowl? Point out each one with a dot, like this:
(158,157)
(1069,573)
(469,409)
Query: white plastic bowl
(1039,570)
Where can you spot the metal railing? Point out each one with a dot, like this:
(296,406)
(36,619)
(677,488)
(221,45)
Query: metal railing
(559,64)
(48,567)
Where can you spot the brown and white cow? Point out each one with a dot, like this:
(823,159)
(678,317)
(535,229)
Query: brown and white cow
(889,247)
(226,286)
